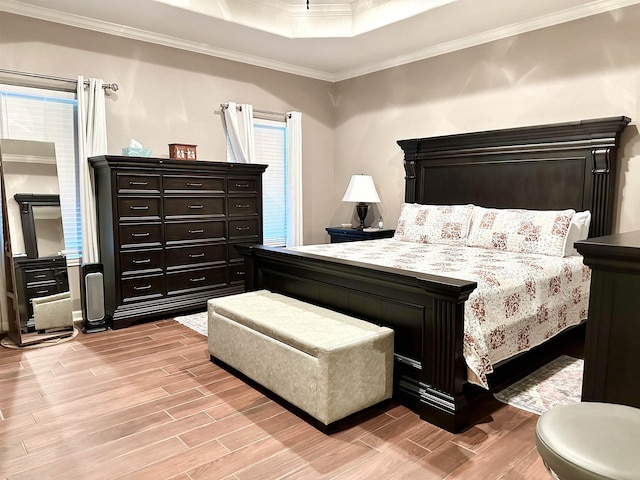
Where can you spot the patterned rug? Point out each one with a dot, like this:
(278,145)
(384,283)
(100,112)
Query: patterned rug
(195,321)
(557,383)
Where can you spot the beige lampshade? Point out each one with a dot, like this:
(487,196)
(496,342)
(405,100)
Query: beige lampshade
(361,189)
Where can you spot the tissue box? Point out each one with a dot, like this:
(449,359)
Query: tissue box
(136,152)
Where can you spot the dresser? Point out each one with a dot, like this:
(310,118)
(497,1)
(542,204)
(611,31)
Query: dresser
(167,232)
(612,343)
(38,277)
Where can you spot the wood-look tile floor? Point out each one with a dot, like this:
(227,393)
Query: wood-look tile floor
(145,402)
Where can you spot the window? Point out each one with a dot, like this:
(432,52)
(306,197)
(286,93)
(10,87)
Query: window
(49,116)
(270,143)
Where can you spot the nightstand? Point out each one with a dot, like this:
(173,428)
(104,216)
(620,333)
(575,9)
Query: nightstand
(612,343)
(339,234)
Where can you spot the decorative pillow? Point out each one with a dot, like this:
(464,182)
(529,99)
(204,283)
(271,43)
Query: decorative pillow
(523,231)
(433,223)
(578,230)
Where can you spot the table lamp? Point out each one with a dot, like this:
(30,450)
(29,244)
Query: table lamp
(362,191)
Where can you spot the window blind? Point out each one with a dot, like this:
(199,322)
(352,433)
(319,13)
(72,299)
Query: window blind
(49,116)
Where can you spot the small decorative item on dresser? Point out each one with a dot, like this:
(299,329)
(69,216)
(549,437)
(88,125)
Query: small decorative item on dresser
(181,151)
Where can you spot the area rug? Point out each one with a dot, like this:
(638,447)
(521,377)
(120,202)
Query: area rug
(195,321)
(557,383)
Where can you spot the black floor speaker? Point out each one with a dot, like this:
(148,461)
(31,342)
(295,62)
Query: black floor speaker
(92,292)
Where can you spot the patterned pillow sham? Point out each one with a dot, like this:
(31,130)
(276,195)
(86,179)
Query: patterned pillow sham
(443,224)
(523,231)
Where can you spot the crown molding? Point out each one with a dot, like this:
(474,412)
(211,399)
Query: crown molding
(591,8)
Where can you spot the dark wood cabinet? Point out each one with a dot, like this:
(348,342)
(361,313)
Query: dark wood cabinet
(612,343)
(168,230)
(339,234)
(38,277)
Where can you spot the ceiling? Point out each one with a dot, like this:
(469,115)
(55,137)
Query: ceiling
(332,40)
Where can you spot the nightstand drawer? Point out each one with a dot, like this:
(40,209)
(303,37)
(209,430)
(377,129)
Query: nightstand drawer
(138,183)
(181,184)
(39,275)
(237,273)
(189,232)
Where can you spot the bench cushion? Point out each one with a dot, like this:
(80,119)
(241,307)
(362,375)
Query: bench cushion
(303,326)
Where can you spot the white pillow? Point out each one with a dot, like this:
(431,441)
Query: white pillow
(578,230)
(444,224)
(540,232)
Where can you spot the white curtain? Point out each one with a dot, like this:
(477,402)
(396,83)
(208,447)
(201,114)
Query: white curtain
(92,141)
(238,123)
(294,179)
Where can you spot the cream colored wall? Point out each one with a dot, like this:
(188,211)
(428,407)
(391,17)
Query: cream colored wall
(168,95)
(585,69)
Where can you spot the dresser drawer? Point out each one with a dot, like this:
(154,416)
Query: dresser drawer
(176,207)
(138,208)
(189,232)
(140,234)
(196,279)
(184,184)
(139,288)
(39,275)
(42,289)
(197,254)
(138,261)
(243,185)
(237,273)
(243,229)
(243,206)
(131,183)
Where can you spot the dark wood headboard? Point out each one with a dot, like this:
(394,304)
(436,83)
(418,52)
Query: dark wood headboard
(543,167)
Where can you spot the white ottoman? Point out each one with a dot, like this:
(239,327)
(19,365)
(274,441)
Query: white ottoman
(328,364)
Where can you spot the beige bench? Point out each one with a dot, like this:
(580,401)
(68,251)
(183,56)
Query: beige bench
(325,363)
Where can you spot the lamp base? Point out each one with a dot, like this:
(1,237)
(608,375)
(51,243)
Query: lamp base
(362,209)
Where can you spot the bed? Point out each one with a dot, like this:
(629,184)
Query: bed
(546,167)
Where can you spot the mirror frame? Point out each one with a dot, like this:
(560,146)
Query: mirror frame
(26,202)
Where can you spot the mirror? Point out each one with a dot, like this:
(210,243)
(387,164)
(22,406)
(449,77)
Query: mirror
(36,288)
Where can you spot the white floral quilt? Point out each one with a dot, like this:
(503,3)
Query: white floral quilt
(521,300)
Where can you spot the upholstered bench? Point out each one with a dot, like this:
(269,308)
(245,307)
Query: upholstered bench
(590,441)
(327,364)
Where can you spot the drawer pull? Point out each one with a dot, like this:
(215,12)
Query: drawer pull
(192,184)
(40,292)
(242,205)
(146,287)
(145,234)
(242,185)
(195,207)
(135,184)
(199,279)
(40,276)
(242,228)
(196,255)
(196,231)
(146,260)
(139,207)
(239,273)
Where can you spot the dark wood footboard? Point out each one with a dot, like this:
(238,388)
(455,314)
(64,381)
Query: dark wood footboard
(425,311)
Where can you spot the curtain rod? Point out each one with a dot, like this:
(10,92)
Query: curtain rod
(264,112)
(111,86)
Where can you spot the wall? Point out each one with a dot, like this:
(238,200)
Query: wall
(168,95)
(589,68)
